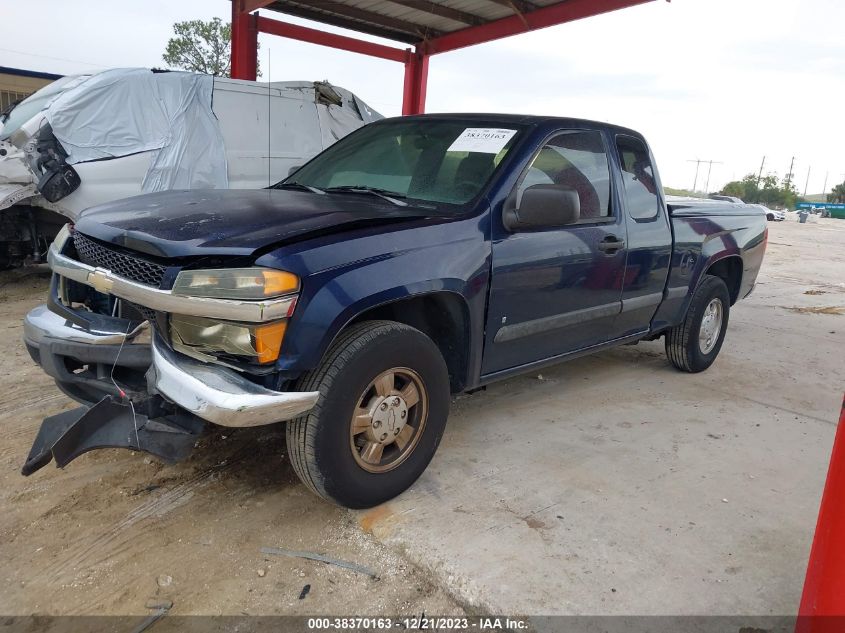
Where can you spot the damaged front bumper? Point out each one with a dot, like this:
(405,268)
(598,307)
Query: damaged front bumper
(138,393)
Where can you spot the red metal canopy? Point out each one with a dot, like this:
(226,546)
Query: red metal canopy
(430,26)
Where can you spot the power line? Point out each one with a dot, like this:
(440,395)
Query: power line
(61,59)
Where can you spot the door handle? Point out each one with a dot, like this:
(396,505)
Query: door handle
(611,244)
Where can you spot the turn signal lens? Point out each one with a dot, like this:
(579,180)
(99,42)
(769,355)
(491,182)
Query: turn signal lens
(236,283)
(278,282)
(268,341)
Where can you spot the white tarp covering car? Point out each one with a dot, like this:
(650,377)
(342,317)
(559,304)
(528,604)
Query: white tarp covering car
(90,139)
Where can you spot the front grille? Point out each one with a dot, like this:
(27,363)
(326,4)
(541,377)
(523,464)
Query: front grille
(147,314)
(128,266)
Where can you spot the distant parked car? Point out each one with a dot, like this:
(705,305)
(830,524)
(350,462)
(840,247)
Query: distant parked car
(773,215)
(734,199)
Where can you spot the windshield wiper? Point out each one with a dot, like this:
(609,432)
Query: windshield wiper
(390,196)
(7,111)
(297,185)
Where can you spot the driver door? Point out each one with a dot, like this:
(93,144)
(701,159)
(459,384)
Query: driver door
(557,290)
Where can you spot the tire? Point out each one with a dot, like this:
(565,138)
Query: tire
(684,346)
(323,444)
(770,217)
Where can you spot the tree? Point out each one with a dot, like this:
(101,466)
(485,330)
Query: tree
(747,189)
(766,190)
(837,194)
(735,189)
(202,47)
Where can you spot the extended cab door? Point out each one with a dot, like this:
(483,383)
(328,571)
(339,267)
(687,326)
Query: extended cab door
(558,289)
(649,235)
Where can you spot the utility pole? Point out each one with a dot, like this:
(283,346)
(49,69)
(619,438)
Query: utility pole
(760,173)
(698,162)
(709,169)
(789,175)
(824,189)
(697,165)
(807,184)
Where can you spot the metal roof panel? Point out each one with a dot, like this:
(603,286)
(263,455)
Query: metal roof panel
(415,21)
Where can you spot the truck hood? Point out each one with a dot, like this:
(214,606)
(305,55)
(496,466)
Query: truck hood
(233,222)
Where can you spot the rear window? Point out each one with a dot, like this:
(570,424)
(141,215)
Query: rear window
(638,177)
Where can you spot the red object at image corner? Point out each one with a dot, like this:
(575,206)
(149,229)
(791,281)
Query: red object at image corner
(822,607)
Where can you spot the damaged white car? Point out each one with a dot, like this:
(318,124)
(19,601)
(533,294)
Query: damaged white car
(89,139)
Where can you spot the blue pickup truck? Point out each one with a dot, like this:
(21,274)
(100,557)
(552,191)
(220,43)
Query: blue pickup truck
(418,257)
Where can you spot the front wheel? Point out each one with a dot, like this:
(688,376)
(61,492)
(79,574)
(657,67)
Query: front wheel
(694,344)
(384,400)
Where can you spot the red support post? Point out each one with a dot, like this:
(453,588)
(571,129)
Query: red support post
(416,83)
(244,43)
(822,607)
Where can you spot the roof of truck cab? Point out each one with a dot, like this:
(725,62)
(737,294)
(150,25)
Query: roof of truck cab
(518,119)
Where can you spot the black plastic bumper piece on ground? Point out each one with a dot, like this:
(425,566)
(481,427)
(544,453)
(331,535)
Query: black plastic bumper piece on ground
(109,424)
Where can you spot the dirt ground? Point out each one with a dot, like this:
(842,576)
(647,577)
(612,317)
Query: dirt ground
(117,530)
(635,490)
(616,485)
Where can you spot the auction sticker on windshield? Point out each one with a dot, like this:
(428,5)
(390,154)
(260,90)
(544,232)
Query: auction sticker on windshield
(486,140)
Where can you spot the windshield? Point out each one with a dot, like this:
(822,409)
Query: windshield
(435,160)
(32,105)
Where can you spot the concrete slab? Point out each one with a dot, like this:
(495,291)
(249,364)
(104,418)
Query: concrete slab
(617,485)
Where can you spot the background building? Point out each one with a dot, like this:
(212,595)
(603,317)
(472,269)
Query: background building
(17,84)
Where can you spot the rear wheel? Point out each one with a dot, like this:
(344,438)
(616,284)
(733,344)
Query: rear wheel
(384,400)
(694,344)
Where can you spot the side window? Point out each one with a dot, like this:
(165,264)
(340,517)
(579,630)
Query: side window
(576,159)
(638,176)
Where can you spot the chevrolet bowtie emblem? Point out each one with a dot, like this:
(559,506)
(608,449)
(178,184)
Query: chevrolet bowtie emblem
(100,282)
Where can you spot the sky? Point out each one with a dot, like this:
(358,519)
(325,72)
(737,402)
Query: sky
(730,81)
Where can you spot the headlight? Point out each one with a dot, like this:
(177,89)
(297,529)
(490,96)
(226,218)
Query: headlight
(198,336)
(236,283)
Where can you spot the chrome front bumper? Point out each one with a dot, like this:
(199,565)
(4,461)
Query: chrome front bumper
(213,393)
(221,395)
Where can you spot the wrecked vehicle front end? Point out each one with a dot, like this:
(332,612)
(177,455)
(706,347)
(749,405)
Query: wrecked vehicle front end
(108,336)
(34,175)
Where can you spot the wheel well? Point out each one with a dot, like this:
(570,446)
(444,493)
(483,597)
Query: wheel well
(443,317)
(728,270)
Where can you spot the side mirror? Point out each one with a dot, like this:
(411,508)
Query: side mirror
(544,207)
(293,170)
